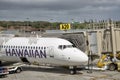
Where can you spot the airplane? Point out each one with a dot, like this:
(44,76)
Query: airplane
(43,50)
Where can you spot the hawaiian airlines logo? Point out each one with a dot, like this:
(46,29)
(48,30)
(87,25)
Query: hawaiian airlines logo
(26,53)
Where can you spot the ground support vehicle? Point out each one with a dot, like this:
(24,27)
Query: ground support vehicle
(14,69)
(107,60)
(3,72)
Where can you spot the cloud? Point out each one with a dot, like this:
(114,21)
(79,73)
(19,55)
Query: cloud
(60,10)
(39,4)
(55,4)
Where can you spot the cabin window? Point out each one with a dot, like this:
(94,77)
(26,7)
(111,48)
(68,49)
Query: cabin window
(36,47)
(33,47)
(44,47)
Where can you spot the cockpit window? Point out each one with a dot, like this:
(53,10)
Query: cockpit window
(60,46)
(64,46)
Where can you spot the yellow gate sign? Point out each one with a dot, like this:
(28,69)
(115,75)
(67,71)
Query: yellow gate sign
(65,26)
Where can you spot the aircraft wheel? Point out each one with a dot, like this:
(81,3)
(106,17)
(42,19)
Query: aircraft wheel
(72,70)
(112,67)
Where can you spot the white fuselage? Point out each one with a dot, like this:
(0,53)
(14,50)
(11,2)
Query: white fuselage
(41,50)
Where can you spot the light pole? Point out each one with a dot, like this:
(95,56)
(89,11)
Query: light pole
(72,23)
(51,23)
(26,22)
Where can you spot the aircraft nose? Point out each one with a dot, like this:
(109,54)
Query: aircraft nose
(77,56)
(83,57)
(80,57)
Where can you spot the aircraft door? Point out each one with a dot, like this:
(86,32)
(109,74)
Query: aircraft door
(51,52)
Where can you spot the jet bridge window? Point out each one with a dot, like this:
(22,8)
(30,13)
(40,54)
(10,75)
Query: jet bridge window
(64,46)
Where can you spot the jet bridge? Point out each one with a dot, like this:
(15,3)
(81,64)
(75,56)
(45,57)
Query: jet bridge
(77,39)
(85,41)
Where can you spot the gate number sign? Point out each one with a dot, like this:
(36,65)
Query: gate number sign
(65,26)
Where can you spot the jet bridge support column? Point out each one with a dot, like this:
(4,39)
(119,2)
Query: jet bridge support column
(113,44)
(89,53)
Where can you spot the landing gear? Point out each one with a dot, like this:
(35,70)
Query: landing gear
(72,70)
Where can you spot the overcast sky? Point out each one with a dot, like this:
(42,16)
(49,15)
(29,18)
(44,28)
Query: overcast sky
(59,10)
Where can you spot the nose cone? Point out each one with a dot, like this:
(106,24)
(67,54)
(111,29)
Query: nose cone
(83,57)
(76,56)
(79,56)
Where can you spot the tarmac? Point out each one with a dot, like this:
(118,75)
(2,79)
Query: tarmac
(31,72)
